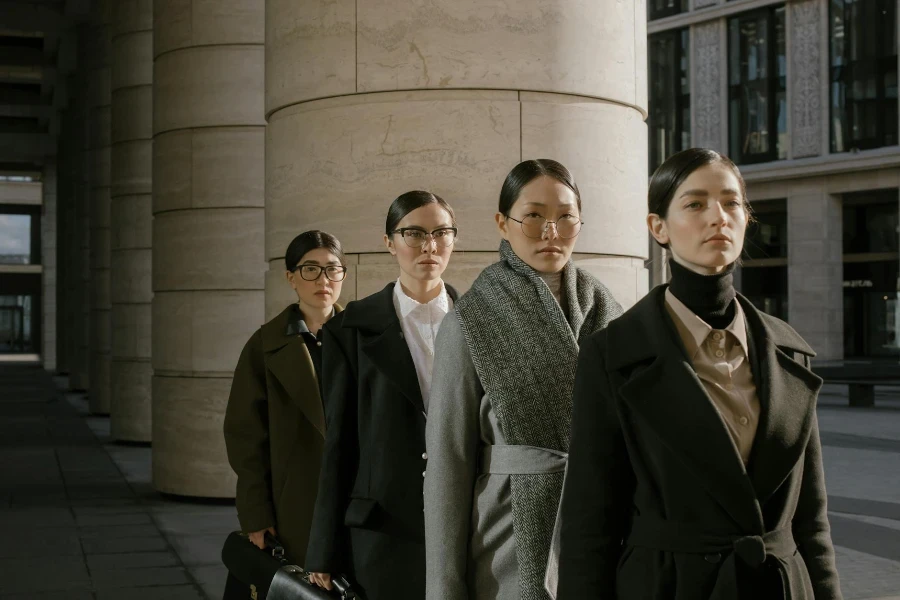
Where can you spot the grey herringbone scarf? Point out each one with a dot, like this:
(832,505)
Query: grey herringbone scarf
(525,351)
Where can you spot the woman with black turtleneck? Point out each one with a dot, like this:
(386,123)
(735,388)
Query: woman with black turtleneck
(695,467)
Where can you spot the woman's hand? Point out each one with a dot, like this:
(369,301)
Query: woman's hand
(323,580)
(259,537)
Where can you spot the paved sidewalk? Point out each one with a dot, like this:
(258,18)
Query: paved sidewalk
(84,523)
(80,518)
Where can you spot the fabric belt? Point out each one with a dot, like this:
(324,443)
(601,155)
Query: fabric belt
(521,460)
(753,550)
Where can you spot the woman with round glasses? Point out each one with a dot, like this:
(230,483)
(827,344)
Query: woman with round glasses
(377,372)
(498,424)
(275,421)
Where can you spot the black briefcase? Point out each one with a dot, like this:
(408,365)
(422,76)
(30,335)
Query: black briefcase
(269,574)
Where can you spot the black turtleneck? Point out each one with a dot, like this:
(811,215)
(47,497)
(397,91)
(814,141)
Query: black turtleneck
(710,297)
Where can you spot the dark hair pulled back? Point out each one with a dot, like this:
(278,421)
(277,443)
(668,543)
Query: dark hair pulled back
(527,171)
(310,240)
(410,201)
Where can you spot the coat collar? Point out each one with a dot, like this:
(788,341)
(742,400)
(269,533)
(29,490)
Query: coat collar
(384,345)
(288,359)
(653,362)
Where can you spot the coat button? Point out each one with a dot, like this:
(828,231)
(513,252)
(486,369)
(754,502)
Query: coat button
(424,456)
(319,344)
(713,558)
(423,474)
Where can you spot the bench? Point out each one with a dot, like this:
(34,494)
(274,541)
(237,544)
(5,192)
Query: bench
(861,379)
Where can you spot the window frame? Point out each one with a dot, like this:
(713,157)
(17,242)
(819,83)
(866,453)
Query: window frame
(772,83)
(681,41)
(842,75)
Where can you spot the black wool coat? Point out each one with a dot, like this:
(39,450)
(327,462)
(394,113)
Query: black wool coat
(657,503)
(368,520)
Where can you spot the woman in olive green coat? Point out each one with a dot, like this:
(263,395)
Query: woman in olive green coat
(275,423)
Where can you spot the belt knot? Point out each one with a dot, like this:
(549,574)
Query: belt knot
(751,549)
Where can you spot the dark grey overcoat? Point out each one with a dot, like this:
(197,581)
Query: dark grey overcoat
(657,503)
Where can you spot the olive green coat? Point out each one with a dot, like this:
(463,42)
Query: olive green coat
(274,433)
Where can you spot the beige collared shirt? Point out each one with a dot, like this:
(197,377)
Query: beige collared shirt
(721,360)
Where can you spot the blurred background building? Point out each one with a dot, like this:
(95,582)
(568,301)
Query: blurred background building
(802,95)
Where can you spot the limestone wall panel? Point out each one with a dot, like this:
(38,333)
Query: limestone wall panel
(187,324)
(605,147)
(209,168)
(359,157)
(189,455)
(208,86)
(131,383)
(208,250)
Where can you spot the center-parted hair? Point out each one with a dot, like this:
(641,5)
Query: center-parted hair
(310,240)
(410,201)
(527,171)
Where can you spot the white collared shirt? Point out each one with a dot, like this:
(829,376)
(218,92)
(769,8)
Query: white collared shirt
(420,323)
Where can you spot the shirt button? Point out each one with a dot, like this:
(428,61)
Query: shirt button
(717,336)
(424,456)
(720,353)
(744,420)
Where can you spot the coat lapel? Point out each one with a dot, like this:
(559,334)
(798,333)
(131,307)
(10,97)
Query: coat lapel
(787,393)
(288,359)
(669,398)
(383,342)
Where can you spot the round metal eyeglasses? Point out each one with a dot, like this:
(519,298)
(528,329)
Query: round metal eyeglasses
(313,272)
(534,226)
(416,238)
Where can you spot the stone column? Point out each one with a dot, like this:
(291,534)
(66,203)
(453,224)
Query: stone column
(366,101)
(208,261)
(99,120)
(67,315)
(131,289)
(815,270)
(48,262)
(79,374)
(63,195)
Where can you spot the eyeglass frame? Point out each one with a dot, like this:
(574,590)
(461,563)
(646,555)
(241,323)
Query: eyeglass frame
(322,271)
(402,230)
(547,224)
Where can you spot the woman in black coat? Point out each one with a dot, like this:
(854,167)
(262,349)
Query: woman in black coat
(695,467)
(368,521)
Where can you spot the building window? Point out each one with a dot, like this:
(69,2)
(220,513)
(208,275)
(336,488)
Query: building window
(871,257)
(17,237)
(17,324)
(670,94)
(764,271)
(757,73)
(666,8)
(863,74)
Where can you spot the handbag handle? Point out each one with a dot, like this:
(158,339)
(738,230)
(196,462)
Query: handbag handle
(274,546)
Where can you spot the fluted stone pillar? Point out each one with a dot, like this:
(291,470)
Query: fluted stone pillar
(131,289)
(48,263)
(368,100)
(99,121)
(208,261)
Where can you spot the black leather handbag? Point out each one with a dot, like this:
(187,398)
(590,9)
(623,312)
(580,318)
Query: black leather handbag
(270,575)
